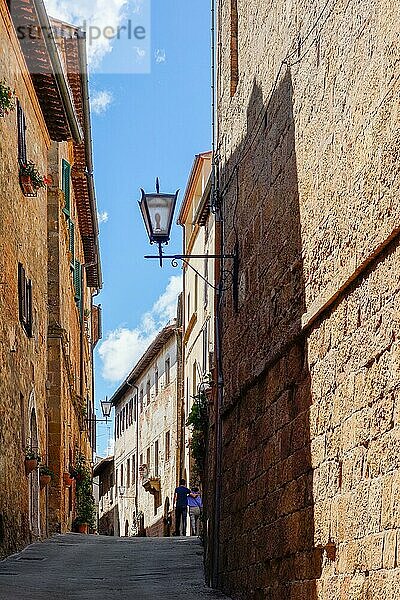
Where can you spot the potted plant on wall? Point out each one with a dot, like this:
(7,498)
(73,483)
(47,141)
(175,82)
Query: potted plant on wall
(45,475)
(68,480)
(32,459)
(7,99)
(30,179)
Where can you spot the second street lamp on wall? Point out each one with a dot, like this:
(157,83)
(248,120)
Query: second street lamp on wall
(106,407)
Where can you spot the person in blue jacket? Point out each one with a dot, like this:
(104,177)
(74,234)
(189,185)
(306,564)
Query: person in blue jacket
(181,504)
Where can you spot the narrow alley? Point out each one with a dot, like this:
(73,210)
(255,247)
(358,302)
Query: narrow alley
(85,567)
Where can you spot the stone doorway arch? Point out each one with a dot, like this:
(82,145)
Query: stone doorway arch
(34,489)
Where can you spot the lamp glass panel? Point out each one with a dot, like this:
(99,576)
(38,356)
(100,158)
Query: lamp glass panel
(145,219)
(106,407)
(160,208)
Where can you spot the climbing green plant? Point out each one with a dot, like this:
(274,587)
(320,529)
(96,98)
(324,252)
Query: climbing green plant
(85,504)
(198,422)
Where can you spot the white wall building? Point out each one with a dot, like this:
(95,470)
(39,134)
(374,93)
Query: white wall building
(148,433)
(198,224)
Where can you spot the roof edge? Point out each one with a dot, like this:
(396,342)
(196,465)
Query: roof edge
(198,160)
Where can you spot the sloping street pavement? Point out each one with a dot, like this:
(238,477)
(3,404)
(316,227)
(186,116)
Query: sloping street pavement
(86,567)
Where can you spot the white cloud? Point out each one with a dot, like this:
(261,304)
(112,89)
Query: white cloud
(93,16)
(100,101)
(123,347)
(102,217)
(165,307)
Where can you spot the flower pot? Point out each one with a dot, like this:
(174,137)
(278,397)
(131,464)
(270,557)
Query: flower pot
(30,465)
(44,480)
(27,186)
(83,528)
(67,479)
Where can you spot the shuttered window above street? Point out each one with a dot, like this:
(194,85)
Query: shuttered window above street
(96,324)
(66,186)
(25,300)
(78,284)
(21,123)
(71,248)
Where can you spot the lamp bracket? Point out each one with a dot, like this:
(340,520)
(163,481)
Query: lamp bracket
(185,258)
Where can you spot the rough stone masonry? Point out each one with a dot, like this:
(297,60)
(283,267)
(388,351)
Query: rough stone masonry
(309,157)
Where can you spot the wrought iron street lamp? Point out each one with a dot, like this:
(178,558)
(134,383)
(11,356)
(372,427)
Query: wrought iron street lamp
(158,212)
(106,407)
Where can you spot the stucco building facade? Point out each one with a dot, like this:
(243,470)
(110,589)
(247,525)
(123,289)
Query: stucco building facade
(198,223)
(44,123)
(148,438)
(308,142)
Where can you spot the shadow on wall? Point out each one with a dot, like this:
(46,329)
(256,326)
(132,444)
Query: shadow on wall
(267,517)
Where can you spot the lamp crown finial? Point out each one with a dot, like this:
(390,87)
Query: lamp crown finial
(157,185)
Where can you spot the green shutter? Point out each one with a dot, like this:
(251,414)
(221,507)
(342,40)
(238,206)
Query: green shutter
(78,282)
(71,248)
(66,186)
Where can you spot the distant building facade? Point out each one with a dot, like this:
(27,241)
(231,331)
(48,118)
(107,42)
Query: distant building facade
(39,306)
(104,475)
(148,439)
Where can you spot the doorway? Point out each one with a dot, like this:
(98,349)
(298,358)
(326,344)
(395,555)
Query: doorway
(34,501)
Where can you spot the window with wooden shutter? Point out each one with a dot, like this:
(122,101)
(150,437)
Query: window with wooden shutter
(167,445)
(25,300)
(71,228)
(78,284)
(21,122)
(66,186)
(167,371)
(148,387)
(131,411)
(96,324)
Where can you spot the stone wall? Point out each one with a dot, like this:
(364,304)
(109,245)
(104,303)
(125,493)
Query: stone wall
(309,185)
(69,352)
(22,359)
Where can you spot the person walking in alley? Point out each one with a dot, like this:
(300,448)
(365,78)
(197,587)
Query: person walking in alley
(195,505)
(180,504)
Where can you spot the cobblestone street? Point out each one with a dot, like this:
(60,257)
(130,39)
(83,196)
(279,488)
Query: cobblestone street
(76,566)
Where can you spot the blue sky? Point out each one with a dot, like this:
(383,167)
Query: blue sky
(143,126)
